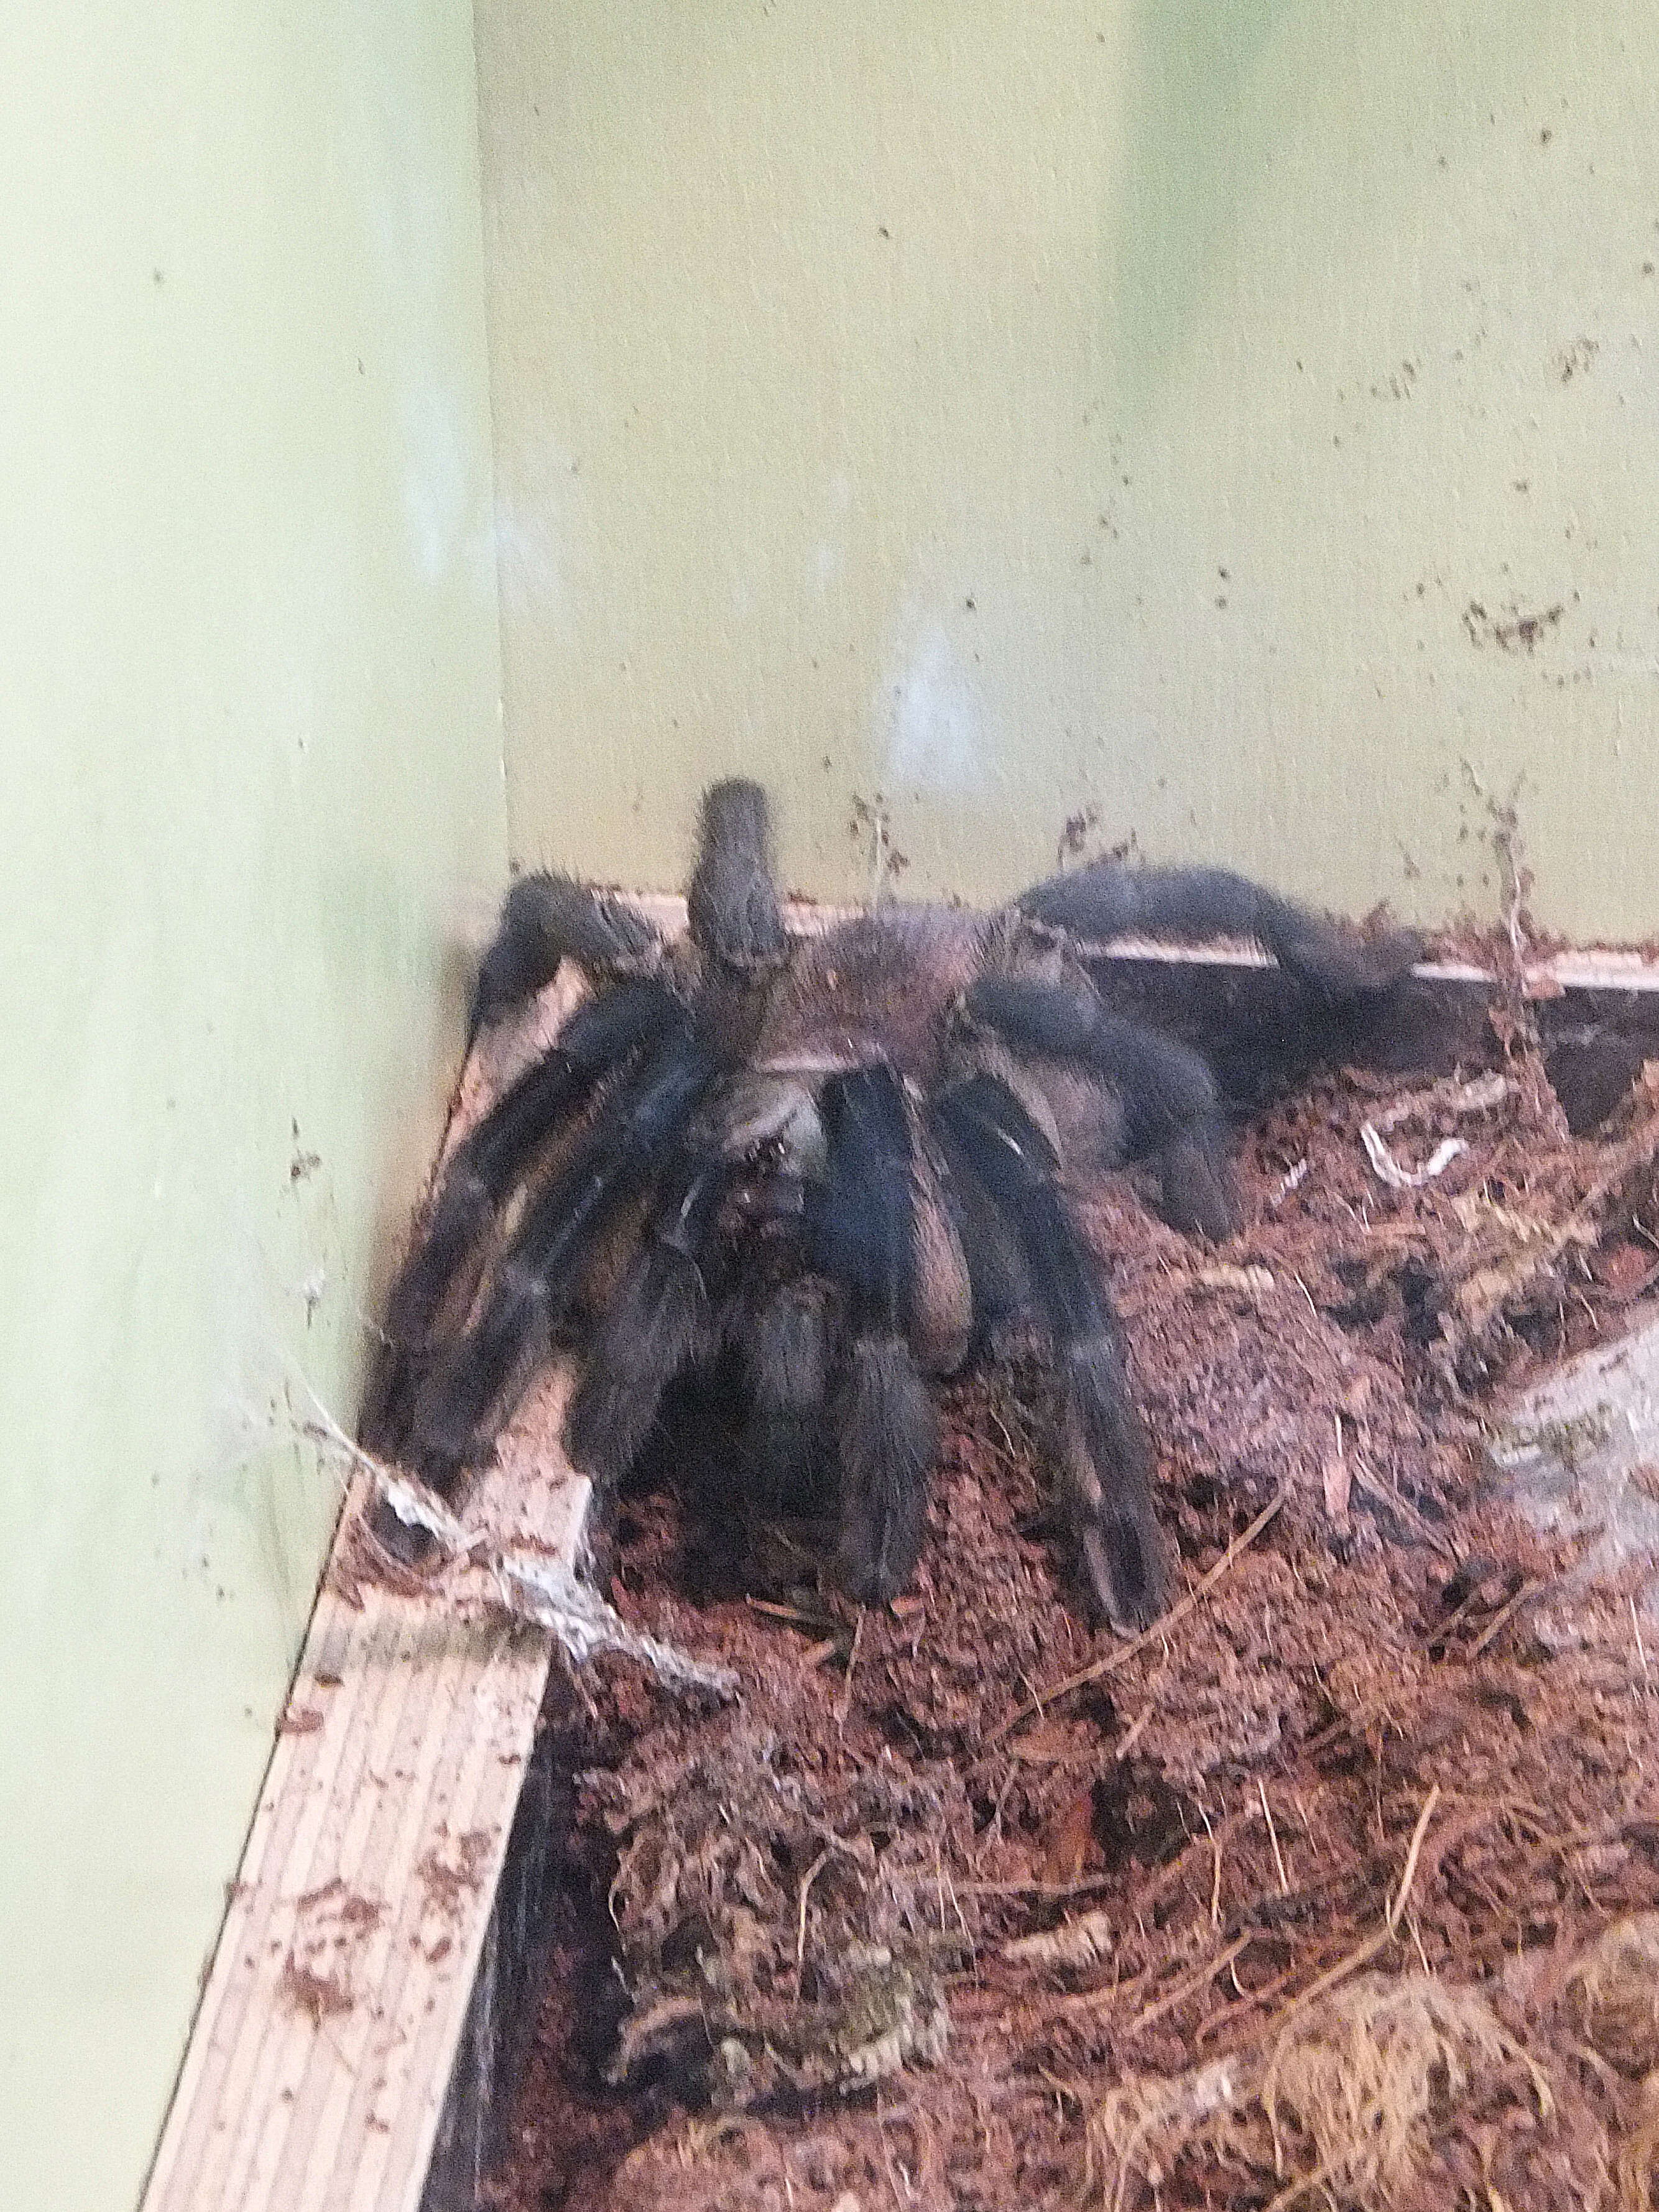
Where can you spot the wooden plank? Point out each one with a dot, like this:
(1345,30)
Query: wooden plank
(321,2053)
(1583,968)
(320,2057)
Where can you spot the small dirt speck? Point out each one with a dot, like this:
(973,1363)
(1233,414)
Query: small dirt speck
(1513,631)
(319,1997)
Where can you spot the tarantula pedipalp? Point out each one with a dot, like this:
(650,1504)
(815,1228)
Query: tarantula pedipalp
(838,1160)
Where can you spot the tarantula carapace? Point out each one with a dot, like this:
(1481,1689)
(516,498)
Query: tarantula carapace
(832,1163)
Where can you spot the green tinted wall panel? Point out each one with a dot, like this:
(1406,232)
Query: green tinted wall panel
(1233,426)
(250,717)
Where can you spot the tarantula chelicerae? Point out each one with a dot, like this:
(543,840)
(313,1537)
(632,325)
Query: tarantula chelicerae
(832,1163)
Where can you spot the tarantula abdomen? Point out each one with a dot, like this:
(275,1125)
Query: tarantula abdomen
(828,1166)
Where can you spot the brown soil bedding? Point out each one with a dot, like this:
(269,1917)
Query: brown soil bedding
(1331,1889)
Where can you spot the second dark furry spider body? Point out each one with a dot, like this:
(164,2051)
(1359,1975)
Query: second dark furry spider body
(835,1163)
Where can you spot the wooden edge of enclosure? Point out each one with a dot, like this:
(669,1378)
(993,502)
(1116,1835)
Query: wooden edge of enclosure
(321,2057)
(322,2053)
(1582,968)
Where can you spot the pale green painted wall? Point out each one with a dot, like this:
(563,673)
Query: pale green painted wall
(1018,406)
(249,719)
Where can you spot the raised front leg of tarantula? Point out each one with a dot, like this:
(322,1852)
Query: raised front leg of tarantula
(731,906)
(1106,1456)
(1109,900)
(863,1236)
(659,1321)
(547,918)
(1171,1110)
(600,1035)
(467,1397)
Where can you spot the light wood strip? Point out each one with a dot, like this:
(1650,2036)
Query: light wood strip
(321,2057)
(321,2053)
(1589,968)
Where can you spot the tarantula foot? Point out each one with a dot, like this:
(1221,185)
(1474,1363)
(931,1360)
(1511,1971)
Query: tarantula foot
(1107,1483)
(1200,1195)
(545,918)
(889,1437)
(1337,963)
(1381,962)
(460,1407)
(1125,1575)
(658,1324)
(449,1416)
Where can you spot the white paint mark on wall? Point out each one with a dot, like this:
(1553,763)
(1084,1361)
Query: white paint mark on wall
(435,486)
(528,556)
(936,738)
(542,521)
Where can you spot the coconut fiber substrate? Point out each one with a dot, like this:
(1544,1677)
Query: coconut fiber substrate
(1340,1887)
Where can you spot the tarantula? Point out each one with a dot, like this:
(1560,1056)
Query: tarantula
(835,1163)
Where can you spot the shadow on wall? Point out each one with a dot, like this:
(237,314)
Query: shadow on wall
(1192,151)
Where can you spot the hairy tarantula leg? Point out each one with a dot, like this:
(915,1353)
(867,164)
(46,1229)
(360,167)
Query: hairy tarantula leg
(999,1272)
(863,1232)
(861,1226)
(785,1341)
(1168,1093)
(465,1401)
(1108,900)
(887,1437)
(658,1323)
(1107,1456)
(545,919)
(732,905)
(599,1036)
